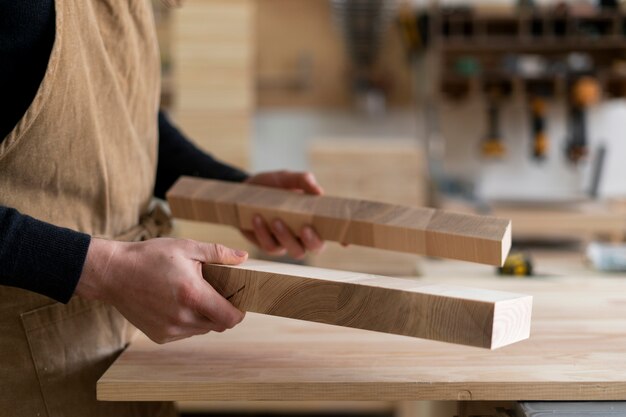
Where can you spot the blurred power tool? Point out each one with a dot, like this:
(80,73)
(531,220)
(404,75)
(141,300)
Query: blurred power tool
(538,116)
(538,93)
(495,92)
(517,264)
(585,91)
(413,29)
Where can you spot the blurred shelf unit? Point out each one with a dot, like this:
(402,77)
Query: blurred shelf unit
(472,46)
(529,30)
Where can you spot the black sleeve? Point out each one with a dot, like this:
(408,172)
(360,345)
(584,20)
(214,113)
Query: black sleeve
(40,257)
(34,255)
(178,156)
(26,39)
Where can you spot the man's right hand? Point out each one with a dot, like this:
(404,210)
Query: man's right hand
(158,285)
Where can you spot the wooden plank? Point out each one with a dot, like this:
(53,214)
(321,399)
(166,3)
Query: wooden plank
(400,228)
(481,318)
(576,352)
(213,52)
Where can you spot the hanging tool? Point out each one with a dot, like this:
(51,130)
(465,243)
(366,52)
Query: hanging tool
(597,170)
(585,91)
(538,116)
(539,90)
(495,91)
(410,29)
(526,5)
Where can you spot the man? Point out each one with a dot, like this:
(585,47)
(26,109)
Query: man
(79,122)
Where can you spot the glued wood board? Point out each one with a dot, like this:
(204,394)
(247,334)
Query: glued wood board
(576,353)
(409,229)
(461,315)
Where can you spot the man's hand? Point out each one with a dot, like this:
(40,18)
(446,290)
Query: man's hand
(158,285)
(273,236)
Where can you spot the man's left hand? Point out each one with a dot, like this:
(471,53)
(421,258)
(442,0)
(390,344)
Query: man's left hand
(273,235)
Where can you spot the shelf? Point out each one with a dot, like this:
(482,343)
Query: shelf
(516,45)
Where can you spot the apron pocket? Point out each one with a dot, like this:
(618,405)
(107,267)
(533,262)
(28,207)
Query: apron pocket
(71,347)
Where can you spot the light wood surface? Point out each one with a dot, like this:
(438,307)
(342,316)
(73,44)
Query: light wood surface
(400,228)
(386,169)
(462,315)
(576,352)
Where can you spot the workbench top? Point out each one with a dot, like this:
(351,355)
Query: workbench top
(577,351)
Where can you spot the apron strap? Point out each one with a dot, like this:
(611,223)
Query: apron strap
(155,223)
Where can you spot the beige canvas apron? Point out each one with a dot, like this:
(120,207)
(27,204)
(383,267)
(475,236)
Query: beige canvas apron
(84,157)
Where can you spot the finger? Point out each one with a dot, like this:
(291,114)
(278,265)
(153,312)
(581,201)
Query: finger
(265,238)
(189,322)
(219,311)
(287,239)
(220,254)
(203,325)
(304,181)
(311,240)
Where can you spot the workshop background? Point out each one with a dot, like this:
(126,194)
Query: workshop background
(512,108)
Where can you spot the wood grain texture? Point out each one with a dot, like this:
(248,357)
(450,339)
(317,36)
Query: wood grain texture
(473,317)
(576,352)
(400,228)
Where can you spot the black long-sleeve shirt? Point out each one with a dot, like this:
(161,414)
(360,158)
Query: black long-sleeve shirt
(35,255)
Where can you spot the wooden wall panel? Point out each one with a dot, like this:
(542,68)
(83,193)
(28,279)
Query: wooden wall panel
(213,47)
(288,29)
(213,51)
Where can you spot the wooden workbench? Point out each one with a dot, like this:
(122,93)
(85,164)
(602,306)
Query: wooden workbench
(577,351)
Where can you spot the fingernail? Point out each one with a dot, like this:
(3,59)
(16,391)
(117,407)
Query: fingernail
(307,234)
(257,220)
(278,225)
(241,253)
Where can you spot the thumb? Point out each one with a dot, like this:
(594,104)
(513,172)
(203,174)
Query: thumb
(212,253)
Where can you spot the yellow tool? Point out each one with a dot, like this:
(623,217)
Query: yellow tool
(409,28)
(540,138)
(517,264)
(495,92)
(584,93)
